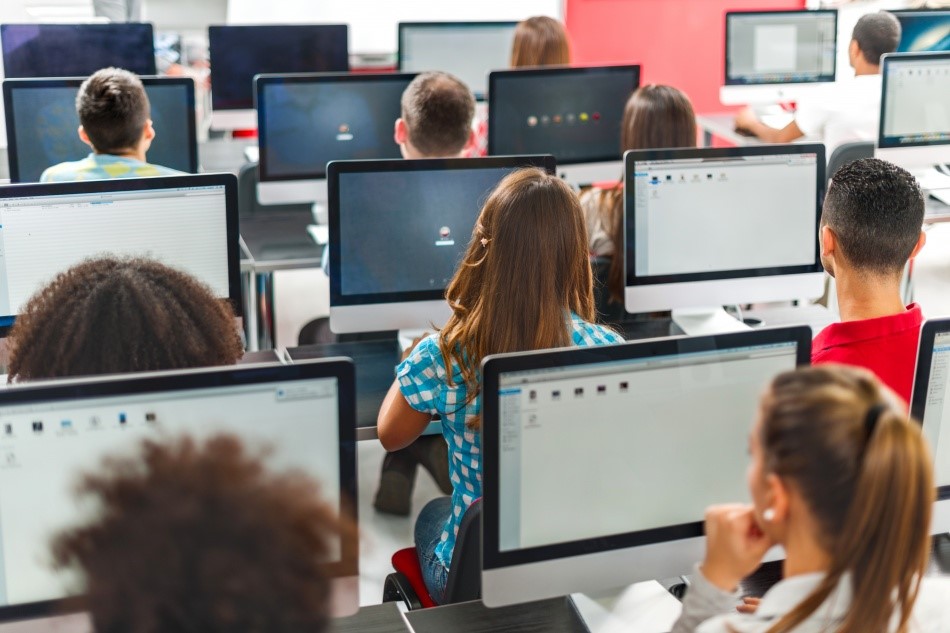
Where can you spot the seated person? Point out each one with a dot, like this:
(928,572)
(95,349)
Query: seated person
(841,478)
(114,116)
(844,111)
(870,227)
(110,316)
(540,41)
(654,117)
(247,543)
(526,214)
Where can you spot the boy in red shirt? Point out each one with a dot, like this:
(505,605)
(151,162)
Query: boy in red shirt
(870,227)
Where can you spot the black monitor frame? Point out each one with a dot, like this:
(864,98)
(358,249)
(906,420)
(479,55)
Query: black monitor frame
(887,60)
(918,404)
(11,85)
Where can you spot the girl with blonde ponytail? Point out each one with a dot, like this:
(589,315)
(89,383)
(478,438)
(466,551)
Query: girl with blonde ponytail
(841,478)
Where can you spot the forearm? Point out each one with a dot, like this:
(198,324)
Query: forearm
(703,601)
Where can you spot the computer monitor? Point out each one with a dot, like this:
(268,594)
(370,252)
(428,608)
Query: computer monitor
(573,113)
(924,30)
(914,129)
(776,56)
(187,222)
(468,50)
(42,121)
(52,433)
(665,434)
(398,229)
(305,121)
(930,406)
(76,50)
(237,53)
(712,227)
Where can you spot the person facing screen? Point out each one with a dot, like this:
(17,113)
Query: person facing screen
(200,536)
(110,316)
(655,117)
(114,121)
(841,478)
(531,223)
(540,41)
(436,121)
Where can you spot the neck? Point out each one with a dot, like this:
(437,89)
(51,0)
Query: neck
(868,297)
(866,69)
(135,154)
(803,555)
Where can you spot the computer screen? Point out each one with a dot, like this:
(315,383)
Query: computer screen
(572,113)
(665,435)
(780,47)
(399,228)
(924,30)
(42,122)
(240,52)
(305,121)
(76,50)
(711,227)
(186,222)
(468,50)
(915,108)
(52,434)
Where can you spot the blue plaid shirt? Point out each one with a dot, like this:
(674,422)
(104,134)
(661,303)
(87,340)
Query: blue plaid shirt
(423,382)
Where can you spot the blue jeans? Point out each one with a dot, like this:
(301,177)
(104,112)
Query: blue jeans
(428,534)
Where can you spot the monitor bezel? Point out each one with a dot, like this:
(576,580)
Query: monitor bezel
(405,26)
(228,181)
(335,169)
(727,61)
(342,369)
(11,85)
(494,366)
(918,401)
(629,201)
(302,28)
(891,142)
(556,71)
(149,66)
(899,13)
(262,81)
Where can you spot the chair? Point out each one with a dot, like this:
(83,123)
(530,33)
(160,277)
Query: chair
(465,575)
(847,153)
(248,204)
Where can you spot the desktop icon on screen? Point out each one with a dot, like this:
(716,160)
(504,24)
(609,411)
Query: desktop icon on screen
(37,427)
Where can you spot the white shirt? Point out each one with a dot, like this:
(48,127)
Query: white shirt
(707,609)
(841,112)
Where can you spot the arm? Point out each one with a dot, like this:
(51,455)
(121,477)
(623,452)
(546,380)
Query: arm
(703,602)
(398,424)
(747,120)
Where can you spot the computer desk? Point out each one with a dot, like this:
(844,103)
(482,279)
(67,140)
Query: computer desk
(723,126)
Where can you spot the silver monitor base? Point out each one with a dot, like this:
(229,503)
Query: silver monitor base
(700,321)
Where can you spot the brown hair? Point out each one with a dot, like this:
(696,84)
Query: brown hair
(438,110)
(531,230)
(108,316)
(113,109)
(201,537)
(655,117)
(864,471)
(540,41)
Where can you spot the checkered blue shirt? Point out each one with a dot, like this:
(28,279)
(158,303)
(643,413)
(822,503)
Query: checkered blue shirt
(423,382)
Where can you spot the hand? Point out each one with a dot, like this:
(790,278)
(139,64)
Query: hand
(749,605)
(735,545)
(746,119)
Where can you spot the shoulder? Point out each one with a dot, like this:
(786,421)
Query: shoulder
(421,376)
(586,334)
(932,609)
(62,171)
(148,169)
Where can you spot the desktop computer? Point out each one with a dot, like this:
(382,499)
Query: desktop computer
(589,510)
(776,56)
(237,53)
(187,222)
(574,114)
(468,50)
(305,121)
(924,30)
(398,229)
(42,121)
(712,227)
(53,433)
(931,407)
(76,50)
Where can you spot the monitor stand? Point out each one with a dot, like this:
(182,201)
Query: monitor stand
(699,321)
(646,607)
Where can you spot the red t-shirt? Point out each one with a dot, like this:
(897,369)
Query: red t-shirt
(887,346)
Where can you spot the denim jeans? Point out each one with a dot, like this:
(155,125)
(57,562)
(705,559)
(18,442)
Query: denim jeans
(428,534)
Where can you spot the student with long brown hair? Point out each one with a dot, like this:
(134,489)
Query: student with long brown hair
(842,479)
(540,41)
(655,117)
(530,229)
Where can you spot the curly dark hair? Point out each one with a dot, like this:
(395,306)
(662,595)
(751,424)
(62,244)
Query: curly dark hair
(107,316)
(193,537)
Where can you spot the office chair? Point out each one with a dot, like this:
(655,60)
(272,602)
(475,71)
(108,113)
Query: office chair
(465,575)
(248,204)
(847,153)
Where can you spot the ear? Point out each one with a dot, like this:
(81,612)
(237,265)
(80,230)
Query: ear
(828,241)
(84,137)
(921,241)
(148,132)
(854,52)
(778,498)
(400,132)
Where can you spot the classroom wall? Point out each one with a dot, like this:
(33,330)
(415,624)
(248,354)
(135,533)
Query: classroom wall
(642,31)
